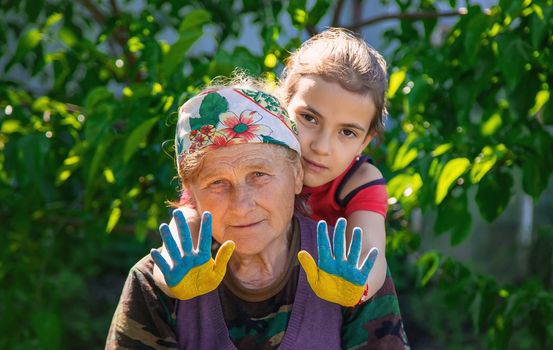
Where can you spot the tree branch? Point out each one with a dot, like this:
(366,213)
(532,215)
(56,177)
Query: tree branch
(408,16)
(98,16)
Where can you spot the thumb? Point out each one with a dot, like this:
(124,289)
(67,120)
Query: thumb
(310,268)
(222,257)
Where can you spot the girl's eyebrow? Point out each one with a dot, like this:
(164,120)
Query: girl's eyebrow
(354,126)
(344,125)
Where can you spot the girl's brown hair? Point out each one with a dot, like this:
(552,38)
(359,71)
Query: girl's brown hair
(338,55)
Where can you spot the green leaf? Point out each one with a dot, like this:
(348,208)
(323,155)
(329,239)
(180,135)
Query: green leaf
(212,106)
(136,137)
(441,149)
(68,37)
(114,215)
(541,99)
(178,50)
(517,50)
(482,164)
(494,194)
(405,154)
(451,171)
(53,19)
(491,125)
(298,13)
(476,27)
(534,179)
(548,113)
(538,27)
(318,11)
(453,215)
(427,266)
(194,20)
(396,79)
(26,43)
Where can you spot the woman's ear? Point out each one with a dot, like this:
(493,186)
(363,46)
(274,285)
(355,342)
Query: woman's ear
(298,178)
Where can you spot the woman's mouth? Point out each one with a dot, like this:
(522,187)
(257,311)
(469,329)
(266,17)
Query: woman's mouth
(247,225)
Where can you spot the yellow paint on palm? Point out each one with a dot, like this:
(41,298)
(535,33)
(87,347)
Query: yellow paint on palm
(206,277)
(328,286)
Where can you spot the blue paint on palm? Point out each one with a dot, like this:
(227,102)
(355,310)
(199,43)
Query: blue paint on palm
(182,264)
(337,262)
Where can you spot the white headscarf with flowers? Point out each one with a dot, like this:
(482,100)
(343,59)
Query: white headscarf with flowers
(229,116)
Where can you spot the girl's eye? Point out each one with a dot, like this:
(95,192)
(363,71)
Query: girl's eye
(308,118)
(348,133)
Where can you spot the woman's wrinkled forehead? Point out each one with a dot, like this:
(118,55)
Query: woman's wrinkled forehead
(244,156)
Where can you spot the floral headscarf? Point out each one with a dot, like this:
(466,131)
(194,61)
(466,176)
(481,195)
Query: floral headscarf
(230,116)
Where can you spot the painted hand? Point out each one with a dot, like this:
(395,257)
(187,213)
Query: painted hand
(195,272)
(338,278)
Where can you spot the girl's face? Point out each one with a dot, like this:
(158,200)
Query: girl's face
(333,126)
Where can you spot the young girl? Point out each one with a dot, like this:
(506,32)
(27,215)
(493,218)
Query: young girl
(334,86)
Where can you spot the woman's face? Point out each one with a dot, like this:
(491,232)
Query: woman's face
(250,191)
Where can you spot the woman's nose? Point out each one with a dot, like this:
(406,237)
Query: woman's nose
(243,199)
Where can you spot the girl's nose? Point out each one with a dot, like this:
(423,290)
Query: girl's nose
(321,144)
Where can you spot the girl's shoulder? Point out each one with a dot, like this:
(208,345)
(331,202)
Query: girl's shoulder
(363,174)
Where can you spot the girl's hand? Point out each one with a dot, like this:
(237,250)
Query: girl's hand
(194,273)
(338,278)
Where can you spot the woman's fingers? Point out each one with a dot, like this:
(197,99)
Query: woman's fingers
(160,262)
(204,245)
(183,231)
(170,243)
(222,258)
(310,267)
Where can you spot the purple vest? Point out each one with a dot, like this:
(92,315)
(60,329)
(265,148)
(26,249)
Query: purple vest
(314,323)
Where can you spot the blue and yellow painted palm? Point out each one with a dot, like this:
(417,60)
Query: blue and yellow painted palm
(338,278)
(193,273)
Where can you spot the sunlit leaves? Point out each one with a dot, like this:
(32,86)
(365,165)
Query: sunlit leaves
(441,149)
(485,161)
(406,153)
(396,79)
(541,99)
(405,188)
(427,266)
(451,171)
(491,125)
(136,138)
(114,215)
(190,30)
(26,43)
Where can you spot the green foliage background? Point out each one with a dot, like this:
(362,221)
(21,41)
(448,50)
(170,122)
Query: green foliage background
(88,97)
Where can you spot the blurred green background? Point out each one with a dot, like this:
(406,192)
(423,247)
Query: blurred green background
(88,98)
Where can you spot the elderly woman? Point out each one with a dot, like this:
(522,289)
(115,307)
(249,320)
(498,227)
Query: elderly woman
(238,158)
